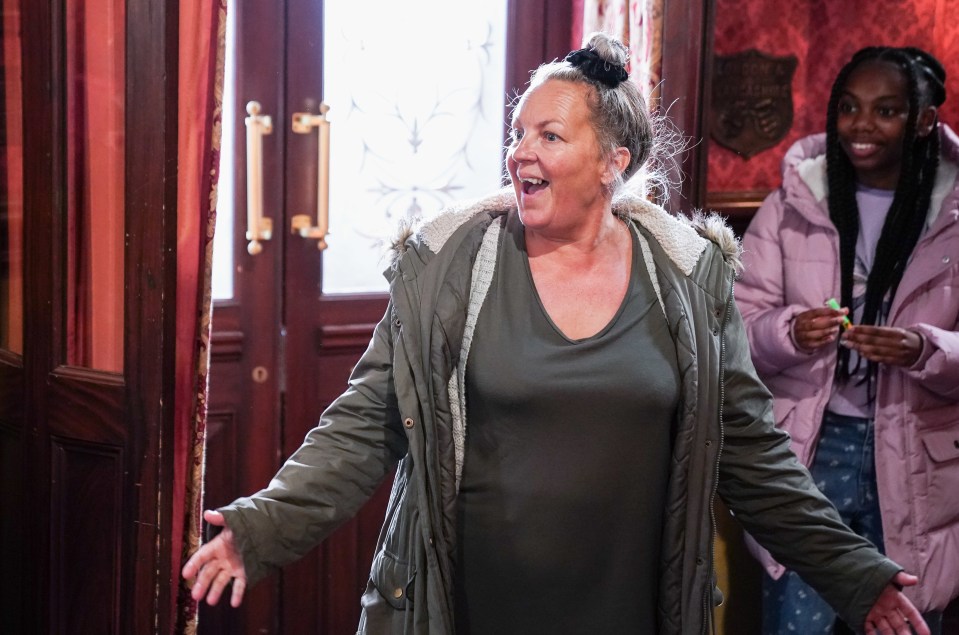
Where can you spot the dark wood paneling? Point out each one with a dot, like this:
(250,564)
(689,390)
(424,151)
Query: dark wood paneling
(94,495)
(42,175)
(152,37)
(12,526)
(687,64)
(85,531)
(243,428)
(79,396)
(226,346)
(11,388)
(222,473)
(241,448)
(351,337)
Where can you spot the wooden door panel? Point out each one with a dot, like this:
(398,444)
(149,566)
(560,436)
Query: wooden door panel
(88,447)
(86,473)
(86,534)
(321,355)
(89,405)
(241,456)
(12,525)
(336,572)
(242,444)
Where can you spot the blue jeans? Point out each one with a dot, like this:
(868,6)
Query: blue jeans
(844,469)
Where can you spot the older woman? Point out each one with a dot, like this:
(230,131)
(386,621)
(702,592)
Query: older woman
(564,383)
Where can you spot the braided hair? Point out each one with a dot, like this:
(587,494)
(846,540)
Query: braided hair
(904,222)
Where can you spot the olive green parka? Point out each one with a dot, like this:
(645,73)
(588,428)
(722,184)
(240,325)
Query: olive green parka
(405,408)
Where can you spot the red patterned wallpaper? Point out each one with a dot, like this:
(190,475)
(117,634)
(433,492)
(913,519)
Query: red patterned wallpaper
(823,34)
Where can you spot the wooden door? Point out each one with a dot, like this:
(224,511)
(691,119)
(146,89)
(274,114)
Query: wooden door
(287,328)
(87,250)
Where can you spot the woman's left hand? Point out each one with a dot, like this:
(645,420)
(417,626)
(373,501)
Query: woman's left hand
(893,613)
(884,344)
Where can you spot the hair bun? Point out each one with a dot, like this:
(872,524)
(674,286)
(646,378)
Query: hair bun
(603,60)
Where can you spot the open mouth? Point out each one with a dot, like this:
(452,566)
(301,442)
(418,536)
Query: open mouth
(532,185)
(861,149)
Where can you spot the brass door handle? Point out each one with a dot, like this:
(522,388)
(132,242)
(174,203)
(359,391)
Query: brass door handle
(258,228)
(302,224)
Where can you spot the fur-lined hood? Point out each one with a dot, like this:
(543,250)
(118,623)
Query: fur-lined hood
(682,238)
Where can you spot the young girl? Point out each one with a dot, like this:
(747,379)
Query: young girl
(868,216)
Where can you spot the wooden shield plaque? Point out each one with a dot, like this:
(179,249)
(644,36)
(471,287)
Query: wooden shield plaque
(752,106)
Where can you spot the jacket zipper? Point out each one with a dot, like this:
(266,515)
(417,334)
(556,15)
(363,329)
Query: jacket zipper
(709,622)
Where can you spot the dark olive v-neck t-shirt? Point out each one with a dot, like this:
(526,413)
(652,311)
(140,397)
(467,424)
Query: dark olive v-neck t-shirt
(561,504)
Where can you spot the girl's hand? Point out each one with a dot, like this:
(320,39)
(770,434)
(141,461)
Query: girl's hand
(884,344)
(815,328)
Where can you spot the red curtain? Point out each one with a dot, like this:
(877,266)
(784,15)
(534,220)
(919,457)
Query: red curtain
(202,37)
(637,23)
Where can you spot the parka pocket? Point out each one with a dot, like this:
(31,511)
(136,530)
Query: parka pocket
(942,476)
(378,615)
(393,578)
(392,572)
(387,603)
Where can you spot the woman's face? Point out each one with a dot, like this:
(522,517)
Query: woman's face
(554,160)
(871,122)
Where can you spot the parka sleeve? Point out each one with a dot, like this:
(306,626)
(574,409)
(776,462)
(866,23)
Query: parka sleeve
(938,368)
(358,441)
(761,292)
(775,499)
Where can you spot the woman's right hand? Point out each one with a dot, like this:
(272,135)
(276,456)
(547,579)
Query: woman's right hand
(814,328)
(215,564)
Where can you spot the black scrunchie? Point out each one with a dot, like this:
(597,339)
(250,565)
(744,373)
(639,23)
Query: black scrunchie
(596,68)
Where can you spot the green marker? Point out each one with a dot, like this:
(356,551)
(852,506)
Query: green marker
(833,304)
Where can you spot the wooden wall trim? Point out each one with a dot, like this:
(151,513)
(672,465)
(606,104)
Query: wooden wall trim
(152,36)
(344,336)
(226,345)
(687,64)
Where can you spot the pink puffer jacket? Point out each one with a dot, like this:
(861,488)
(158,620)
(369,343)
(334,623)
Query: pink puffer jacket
(791,257)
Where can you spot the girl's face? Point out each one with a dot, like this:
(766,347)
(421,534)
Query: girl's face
(871,122)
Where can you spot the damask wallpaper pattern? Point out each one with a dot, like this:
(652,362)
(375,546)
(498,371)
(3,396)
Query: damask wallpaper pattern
(823,34)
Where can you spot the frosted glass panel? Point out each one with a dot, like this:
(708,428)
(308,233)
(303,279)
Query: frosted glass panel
(417,105)
(222,282)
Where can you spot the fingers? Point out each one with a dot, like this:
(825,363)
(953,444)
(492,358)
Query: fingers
(818,327)
(893,613)
(207,570)
(891,626)
(913,619)
(218,583)
(214,518)
(884,345)
(195,563)
(906,579)
(239,587)
(205,552)
(215,565)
